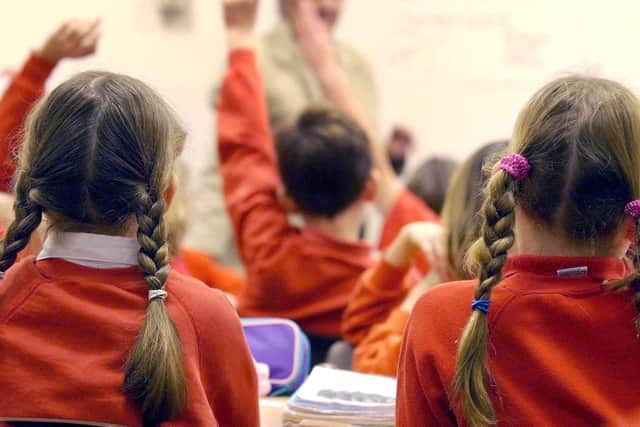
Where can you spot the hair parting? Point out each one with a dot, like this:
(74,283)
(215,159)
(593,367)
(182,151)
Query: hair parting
(98,153)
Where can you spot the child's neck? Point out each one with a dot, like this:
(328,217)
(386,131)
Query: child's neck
(346,225)
(537,239)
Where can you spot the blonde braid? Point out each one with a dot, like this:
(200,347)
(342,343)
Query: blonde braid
(497,238)
(154,374)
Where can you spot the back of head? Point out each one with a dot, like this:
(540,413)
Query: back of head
(97,156)
(430,181)
(460,213)
(581,139)
(324,162)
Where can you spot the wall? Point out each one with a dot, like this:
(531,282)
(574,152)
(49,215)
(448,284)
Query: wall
(456,70)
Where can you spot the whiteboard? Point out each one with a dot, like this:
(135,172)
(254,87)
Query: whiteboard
(459,71)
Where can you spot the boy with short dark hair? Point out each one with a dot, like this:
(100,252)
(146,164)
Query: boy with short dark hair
(324,162)
(329,171)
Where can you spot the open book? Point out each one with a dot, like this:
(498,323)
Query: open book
(336,397)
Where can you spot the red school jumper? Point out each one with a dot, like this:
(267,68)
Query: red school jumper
(563,349)
(66,331)
(304,275)
(374,322)
(26,87)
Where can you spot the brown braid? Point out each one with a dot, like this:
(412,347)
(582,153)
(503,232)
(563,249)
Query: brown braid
(98,153)
(581,136)
(154,375)
(497,238)
(28,216)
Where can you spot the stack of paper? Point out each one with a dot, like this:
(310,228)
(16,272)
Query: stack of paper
(342,398)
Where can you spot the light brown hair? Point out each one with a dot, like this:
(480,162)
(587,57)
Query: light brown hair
(98,154)
(460,213)
(581,137)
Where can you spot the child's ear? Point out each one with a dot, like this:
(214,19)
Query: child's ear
(170,191)
(371,187)
(287,203)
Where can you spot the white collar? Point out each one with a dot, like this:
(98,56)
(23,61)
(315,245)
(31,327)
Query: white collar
(91,250)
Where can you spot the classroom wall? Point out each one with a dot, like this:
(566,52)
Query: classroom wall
(457,71)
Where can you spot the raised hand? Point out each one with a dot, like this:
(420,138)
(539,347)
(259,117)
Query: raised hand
(73,39)
(427,237)
(239,18)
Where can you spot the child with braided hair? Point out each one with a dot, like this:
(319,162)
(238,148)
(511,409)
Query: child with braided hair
(377,314)
(97,327)
(552,337)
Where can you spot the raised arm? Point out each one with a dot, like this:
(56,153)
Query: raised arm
(315,42)
(247,156)
(384,287)
(378,291)
(26,87)
(73,39)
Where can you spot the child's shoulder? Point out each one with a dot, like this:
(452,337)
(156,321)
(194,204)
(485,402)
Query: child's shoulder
(445,306)
(200,301)
(450,294)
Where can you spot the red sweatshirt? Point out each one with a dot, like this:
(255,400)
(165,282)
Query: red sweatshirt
(307,275)
(377,293)
(26,87)
(373,321)
(66,331)
(204,267)
(563,349)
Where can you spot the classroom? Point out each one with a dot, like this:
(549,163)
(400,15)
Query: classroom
(345,213)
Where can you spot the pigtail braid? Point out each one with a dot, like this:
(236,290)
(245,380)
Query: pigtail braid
(27,218)
(497,238)
(154,374)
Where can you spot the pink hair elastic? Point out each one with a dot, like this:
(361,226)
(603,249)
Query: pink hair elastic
(633,208)
(516,165)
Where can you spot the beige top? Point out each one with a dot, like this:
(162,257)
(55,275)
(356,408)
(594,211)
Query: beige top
(290,88)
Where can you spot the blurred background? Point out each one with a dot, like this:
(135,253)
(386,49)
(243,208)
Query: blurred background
(455,72)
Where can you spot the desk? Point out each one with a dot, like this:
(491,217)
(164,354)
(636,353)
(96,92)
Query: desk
(271,411)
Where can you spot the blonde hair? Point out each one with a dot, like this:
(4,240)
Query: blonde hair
(176,215)
(97,152)
(581,136)
(464,198)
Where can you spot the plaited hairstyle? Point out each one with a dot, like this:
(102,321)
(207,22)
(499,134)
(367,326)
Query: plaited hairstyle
(581,137)
(97,154)
(324,161)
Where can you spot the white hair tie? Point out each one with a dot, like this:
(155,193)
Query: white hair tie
(157,293)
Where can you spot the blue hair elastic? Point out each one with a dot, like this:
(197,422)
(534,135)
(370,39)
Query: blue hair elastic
(481,305)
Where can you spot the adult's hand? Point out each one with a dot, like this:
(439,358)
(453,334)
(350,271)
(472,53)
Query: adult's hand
(73,39)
